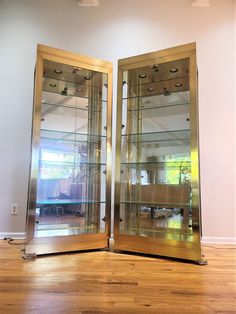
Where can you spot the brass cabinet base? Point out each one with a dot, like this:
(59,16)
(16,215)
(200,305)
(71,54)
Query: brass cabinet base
(186,251)
(66,244)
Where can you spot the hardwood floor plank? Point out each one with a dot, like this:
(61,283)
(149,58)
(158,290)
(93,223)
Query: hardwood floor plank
(104,282)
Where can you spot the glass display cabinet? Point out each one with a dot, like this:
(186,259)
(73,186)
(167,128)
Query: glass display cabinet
(157,199)
(157,194)
(69,191)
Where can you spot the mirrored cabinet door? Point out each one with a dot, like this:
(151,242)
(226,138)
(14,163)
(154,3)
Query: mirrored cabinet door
(69,193)
(157,203)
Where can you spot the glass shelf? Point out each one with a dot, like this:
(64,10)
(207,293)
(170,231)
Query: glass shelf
(159,107)
(71,167)
(69,163)
(157,204)
(156,233)
(70,136)
(157,119)
(160,72)
(158,80)
(183,136)
(57,201)
(151,101)
(81,82)
(63,72)
(58,87)
(75,101)
(156,165)
(160,88)
(46,104)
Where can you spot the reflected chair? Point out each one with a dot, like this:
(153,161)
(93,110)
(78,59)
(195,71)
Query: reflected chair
(76,195)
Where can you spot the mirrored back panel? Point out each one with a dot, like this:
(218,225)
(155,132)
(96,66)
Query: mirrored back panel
(158,197)
(71,187)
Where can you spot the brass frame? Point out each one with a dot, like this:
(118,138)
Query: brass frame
(170,248)
(64,243)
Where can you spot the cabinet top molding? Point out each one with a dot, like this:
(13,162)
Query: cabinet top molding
(183,51)
(85,61)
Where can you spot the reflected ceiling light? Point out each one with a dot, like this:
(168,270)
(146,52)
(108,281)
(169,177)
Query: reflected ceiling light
(88,3)
(142,76)
(88,77)
(178,85)
(173,70)
(150,89)
(52,85)
(57,71)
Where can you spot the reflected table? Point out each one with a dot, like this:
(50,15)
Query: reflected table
(57,205)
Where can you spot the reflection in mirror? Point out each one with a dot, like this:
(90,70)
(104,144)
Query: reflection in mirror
(155,152)
(72,152)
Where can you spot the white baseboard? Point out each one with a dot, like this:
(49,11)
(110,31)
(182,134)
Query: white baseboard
(13,235)
(212,240)
(216,240)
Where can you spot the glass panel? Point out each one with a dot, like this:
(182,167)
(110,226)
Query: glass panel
(155,153)
(71,189)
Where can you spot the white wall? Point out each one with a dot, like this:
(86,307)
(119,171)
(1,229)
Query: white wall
(114,30)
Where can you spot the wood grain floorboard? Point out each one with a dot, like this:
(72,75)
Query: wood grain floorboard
(104,282)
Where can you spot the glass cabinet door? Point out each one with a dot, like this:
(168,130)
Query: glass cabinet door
(157,206)
(69,193)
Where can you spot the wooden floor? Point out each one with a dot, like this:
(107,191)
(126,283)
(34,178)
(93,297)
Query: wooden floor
(104,282)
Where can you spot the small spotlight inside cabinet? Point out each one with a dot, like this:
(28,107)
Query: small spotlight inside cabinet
(142,76)
(150,89)
(57,71)
(173,70)
(178,85)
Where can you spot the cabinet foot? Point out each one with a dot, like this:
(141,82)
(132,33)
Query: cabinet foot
(201,262)
(29,256)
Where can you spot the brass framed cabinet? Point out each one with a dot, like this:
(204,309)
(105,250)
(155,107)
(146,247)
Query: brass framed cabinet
(157,199)
(69,191)
(157,194)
